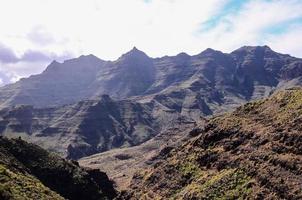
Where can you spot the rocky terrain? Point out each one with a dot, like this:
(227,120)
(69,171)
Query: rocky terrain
(88,127)
(251,153)
(29,172)
(145,109)
(86,105)
(121,164)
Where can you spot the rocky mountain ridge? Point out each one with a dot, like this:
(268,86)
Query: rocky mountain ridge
(206,81)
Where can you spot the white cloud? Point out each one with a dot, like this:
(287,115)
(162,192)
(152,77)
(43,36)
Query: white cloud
(288,42)
(248,25)
(108,28)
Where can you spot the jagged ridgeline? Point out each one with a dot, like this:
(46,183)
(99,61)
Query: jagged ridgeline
(251,153)
(29,172)
(99,105)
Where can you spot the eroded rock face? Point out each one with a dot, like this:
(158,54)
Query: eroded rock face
(29,172)
(251,153)
(90,126)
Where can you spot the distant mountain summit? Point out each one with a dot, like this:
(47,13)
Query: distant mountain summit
(223,79)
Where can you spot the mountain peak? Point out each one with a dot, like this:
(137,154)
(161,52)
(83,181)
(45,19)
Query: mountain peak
(255,51)
(134,49)
(210,52)
(85,58)
(183,54)
(254,48)
(54,62)
(134,53)
(53,65)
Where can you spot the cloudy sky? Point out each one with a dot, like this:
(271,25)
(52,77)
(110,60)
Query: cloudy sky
(35,32)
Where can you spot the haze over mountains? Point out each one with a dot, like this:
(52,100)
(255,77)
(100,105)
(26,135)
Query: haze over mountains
(71,113)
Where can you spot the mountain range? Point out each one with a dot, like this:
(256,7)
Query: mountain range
(200,82)
(209,126)
(87,105)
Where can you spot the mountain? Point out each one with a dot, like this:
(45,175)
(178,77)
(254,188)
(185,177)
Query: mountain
(67,108)
(251,153)
(58,84)
(203,84)
(89,126)
(29,172)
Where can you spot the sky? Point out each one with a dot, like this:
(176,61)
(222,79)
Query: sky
(35,32)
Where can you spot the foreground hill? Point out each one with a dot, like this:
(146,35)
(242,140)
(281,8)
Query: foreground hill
(202,84)
(29,172)
(251,153)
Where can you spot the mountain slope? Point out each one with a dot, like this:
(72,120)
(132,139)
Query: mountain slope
(253,152)
(29,172)
(88,127)
(121,164)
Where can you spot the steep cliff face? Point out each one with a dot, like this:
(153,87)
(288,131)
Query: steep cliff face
(253,152)
(29,172)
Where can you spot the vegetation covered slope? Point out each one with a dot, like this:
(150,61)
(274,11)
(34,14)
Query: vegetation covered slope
(253,153)
(29,172)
